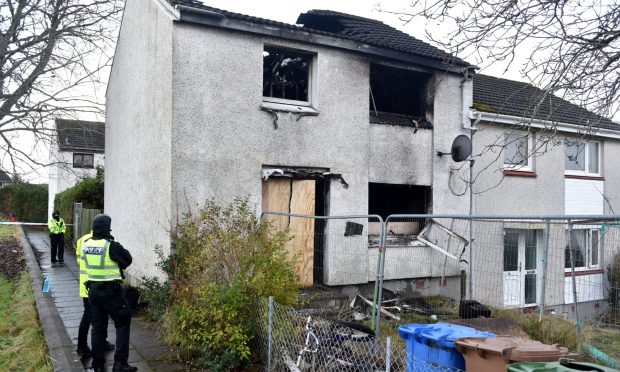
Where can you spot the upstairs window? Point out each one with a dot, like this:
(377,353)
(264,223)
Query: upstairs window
(582,158)
(83,160)
(397,92)
(517,147)
(286,75)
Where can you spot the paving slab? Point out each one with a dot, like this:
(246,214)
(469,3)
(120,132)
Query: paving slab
(60,313)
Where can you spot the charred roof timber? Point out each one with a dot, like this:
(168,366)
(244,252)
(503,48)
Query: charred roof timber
(333,29)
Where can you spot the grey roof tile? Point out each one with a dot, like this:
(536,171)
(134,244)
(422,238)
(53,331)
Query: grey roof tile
(4,177)
(80,135)
(508,97)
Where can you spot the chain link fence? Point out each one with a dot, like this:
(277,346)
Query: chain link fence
(288,339)
(553,278)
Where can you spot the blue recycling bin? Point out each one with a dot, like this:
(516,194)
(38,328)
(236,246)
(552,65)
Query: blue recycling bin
(431,345)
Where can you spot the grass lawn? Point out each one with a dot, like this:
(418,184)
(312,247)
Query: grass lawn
(22,345)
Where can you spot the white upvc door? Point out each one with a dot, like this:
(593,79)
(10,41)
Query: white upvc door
(520,268)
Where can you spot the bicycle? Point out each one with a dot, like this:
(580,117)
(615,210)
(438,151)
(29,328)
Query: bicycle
(331,346)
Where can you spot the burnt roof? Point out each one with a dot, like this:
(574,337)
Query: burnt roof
(80,135)
(349,27)
(4,177)
(373,32)
(515,98)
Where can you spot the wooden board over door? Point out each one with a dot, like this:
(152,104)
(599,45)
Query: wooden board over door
(298,197)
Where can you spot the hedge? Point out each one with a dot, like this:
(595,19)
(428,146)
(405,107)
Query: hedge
(89,192)
(28,202)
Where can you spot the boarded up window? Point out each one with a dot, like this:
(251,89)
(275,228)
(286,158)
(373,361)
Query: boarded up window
(297,197)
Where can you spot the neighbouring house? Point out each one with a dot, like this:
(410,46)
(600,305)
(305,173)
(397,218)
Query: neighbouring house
(337,115)
(342,114)
(5,179)
(541,155)
(76,154)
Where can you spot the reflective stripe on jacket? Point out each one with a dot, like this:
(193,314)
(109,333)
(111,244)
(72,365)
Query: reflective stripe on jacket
(57,227)
(99,267)
(80,261)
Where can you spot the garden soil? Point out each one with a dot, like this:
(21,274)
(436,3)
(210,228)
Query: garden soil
(12,262)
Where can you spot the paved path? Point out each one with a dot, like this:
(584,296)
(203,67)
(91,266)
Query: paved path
(145,350)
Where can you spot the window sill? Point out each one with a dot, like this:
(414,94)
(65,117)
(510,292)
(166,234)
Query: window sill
(83,167)
(282,107)
(519,173)
(580,272)
(584,177)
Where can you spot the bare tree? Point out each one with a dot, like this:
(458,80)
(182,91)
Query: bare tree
(52,56)
(572,47)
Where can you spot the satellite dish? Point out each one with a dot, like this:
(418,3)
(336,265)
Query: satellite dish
(461,149)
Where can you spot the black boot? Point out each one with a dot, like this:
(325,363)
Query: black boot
(123,367)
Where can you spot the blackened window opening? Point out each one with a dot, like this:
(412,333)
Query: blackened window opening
(397,91)
(286,74)
(385,199)
(322,189)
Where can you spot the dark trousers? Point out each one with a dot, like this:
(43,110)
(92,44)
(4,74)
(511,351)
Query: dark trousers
(107,299)
(84,326)
(57,241)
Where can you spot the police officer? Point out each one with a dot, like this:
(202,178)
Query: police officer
(82,346)
(57,237)
(104,261)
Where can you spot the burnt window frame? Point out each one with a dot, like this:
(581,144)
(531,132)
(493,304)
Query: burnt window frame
(422,104)
(312,56)
(81,164)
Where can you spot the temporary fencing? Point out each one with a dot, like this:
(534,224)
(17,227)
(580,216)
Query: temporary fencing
(418,268)
(292,340)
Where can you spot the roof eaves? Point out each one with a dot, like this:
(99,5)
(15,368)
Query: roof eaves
(512,120)
(280,30)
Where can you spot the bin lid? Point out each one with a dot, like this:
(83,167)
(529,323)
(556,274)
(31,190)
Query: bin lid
(444,334)
(514,348)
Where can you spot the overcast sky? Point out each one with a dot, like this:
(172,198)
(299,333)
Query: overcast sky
(288,11)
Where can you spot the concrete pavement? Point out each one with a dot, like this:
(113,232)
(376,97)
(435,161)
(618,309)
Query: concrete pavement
(61,309)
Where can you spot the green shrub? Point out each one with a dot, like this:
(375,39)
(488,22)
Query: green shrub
(155,294)
(223,259)
(88,191)
(613,275)
(27,201)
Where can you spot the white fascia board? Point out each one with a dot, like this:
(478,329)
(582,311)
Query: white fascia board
(168,9)
(543,124)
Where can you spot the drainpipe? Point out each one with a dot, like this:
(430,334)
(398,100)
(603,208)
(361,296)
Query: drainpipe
(468,75)
(472,130)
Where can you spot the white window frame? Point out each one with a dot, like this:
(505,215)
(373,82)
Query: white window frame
(586,151)
(529,167)
(588,254)
(305,107)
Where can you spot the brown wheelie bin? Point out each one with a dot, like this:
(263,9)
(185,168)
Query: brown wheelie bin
(494,354)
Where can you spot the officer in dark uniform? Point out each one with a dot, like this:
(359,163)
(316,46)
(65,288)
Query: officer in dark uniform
(104,261)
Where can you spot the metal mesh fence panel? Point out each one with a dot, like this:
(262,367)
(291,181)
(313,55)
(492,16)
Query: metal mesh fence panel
(331,250)
(295,341)
(553,279)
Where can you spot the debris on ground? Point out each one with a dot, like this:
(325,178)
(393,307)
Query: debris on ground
(12,261)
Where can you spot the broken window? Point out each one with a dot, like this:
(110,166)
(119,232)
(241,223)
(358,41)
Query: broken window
(286,74)
(397,91)
(385,199)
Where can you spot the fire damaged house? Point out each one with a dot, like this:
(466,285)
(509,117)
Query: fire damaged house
(336,115)
(339,115)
